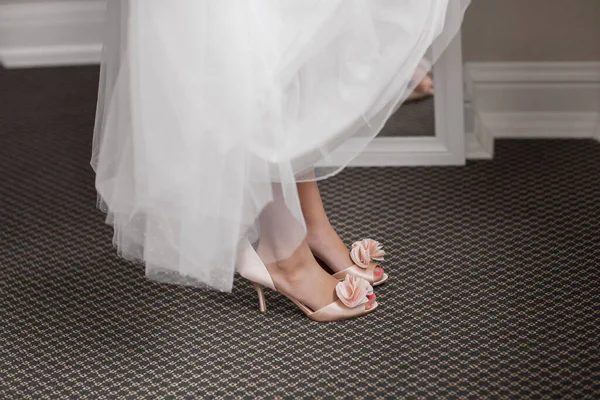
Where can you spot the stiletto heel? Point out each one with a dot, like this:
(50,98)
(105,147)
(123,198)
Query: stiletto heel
(355,294)
(262,304)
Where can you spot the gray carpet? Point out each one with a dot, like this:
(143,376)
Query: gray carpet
(493,292)
(413,118)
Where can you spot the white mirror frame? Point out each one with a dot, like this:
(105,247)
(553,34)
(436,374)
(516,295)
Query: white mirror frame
(447,147)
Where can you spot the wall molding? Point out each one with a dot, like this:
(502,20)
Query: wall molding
(586,71)
(533,100)
(542,124)
(51,33)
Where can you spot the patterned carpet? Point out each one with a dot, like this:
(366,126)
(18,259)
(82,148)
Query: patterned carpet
(494,290)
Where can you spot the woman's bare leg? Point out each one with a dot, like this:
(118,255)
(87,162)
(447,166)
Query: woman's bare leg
(290,262)
(322,239)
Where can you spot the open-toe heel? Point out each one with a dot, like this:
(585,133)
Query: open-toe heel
(355,294)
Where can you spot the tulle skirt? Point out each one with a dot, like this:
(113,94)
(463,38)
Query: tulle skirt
(210,112)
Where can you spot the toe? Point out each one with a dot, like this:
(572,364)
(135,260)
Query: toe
(371,301)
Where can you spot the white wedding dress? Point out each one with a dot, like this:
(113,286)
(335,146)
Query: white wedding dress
(209,110)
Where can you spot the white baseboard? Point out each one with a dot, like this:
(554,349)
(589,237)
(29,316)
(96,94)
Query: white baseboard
(542,124)
(479,143)
(51,56)
(51,33)
(528,72)
(534,100)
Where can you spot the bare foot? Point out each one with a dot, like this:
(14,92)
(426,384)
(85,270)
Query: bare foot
(327,246)
(322,239)
(423,89)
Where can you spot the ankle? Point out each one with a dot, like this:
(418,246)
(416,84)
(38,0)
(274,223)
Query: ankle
(296,263)
(318,234)
(327,246)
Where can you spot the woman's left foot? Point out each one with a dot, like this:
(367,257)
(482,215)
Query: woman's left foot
(330,250)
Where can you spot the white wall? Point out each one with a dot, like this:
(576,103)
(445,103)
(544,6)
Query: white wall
(50,32)
(494,30)
(532,30)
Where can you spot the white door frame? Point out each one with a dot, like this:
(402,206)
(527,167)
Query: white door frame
(447,147)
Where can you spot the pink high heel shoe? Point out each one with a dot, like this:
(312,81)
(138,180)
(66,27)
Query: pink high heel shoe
(355,295)
(363,254)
